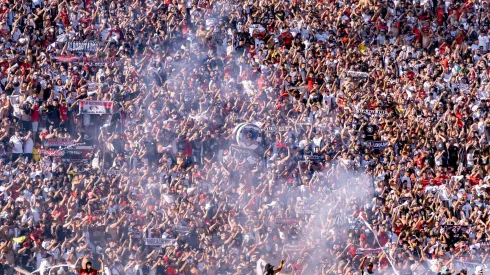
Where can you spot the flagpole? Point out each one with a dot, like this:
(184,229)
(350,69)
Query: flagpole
(376,238)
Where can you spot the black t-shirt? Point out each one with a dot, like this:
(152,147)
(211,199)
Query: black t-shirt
(54,114)
(453,153)
(239,50)
(369,131)
(151,149)
(25,257)
(160,269)
(118,145)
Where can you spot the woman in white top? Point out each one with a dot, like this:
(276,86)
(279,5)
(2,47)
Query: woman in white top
(438,158)
(28,146)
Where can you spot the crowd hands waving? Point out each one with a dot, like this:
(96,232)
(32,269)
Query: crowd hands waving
(221,137)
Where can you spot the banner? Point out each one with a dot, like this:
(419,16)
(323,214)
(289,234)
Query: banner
(89,61)
(286,221)
(182,229)
(241,154)
(342,220)
(67,58)
(293,248)
(357,74)
(72,153)
(276,129)
(75,151)
(58,142)
(374,144)
(51,152)
(95,107)
(372,112)
(159,241)
(312,157)
(304,211)
(111,172)
(82,46)
(98,61)
(368,251)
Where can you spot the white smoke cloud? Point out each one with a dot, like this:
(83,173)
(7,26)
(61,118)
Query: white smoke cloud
(332,208)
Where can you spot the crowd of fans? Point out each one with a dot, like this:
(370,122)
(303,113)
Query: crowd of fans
(365,146)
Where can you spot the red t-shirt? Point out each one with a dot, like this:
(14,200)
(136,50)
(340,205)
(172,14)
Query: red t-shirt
(287,37)
(309,80)
(440,16)
(64,18)
(82,271)
(171,271)
(383,239)
(63,113)
(35,113)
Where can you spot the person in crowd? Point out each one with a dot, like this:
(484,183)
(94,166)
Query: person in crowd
(222,137)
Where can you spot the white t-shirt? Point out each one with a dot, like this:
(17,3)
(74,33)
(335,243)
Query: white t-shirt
(17,142)
(28,146)
(260,267)
(36,3)
(35,213)
(317,142)
(114,271)
(483,41)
